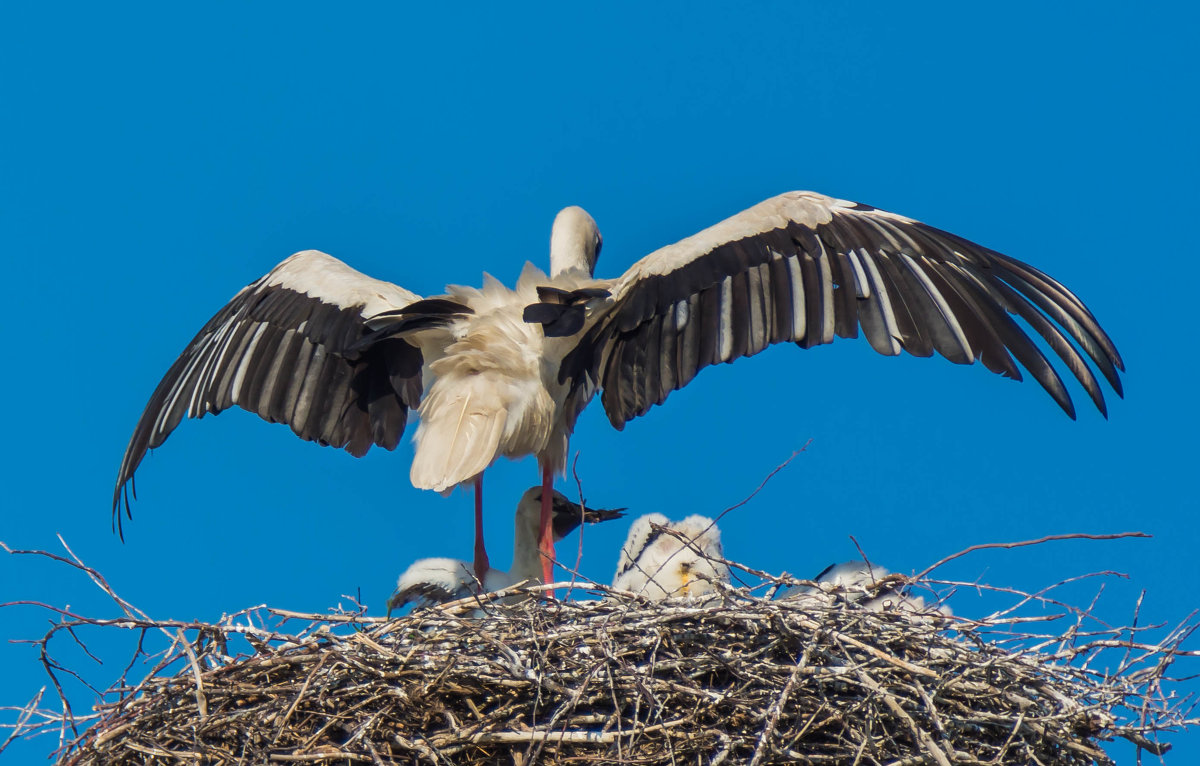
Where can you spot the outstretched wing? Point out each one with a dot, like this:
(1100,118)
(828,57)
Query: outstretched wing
(294,347)
(803,267)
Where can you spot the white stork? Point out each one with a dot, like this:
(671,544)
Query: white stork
(660,565)
(438,580)
(863,583)
(342,357)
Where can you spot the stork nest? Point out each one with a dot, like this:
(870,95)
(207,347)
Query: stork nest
(735,679)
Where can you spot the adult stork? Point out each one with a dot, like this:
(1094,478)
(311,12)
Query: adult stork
(342,357)
(438,580)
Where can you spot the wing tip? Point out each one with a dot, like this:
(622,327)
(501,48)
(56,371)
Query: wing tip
(125,488)
(1067,405)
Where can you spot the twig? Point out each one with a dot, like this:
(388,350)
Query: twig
(1048,538)
(764,482)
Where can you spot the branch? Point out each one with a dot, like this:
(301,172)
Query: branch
(1021,544)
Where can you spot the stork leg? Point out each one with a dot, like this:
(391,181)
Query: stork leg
(482,565)
(546,536)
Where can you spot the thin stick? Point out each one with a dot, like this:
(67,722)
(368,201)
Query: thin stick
(764,482)
(1046,539)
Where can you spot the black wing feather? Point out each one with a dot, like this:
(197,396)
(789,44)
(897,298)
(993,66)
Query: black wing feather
(293,358)
(914,285)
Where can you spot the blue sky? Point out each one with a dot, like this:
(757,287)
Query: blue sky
(154,161)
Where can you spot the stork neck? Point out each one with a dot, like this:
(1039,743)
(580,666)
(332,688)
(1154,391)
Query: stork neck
(569,259)
(574,243)
(526,562)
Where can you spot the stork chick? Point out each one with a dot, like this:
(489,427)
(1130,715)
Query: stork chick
(439,580)
(863,583)
(660,565)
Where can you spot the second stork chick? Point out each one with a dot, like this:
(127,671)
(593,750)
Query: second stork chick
(439,580)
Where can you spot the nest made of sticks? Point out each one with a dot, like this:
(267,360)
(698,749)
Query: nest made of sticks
(734,679)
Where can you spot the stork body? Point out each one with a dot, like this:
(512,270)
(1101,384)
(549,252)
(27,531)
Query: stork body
(662,559)
(490,393)
(863,583)
(438,580)
(342,357)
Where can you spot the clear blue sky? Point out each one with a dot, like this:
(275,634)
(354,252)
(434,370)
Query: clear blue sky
(154,161)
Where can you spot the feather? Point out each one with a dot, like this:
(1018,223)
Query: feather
(863,583)
(662,559)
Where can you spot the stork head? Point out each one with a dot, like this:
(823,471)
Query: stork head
(566,516)
(663,559)
(574,242)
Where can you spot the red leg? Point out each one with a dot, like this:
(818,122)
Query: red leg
(546,538)
(481,558)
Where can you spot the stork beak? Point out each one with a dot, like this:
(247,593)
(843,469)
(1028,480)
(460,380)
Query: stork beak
(568,515)
(596,515)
